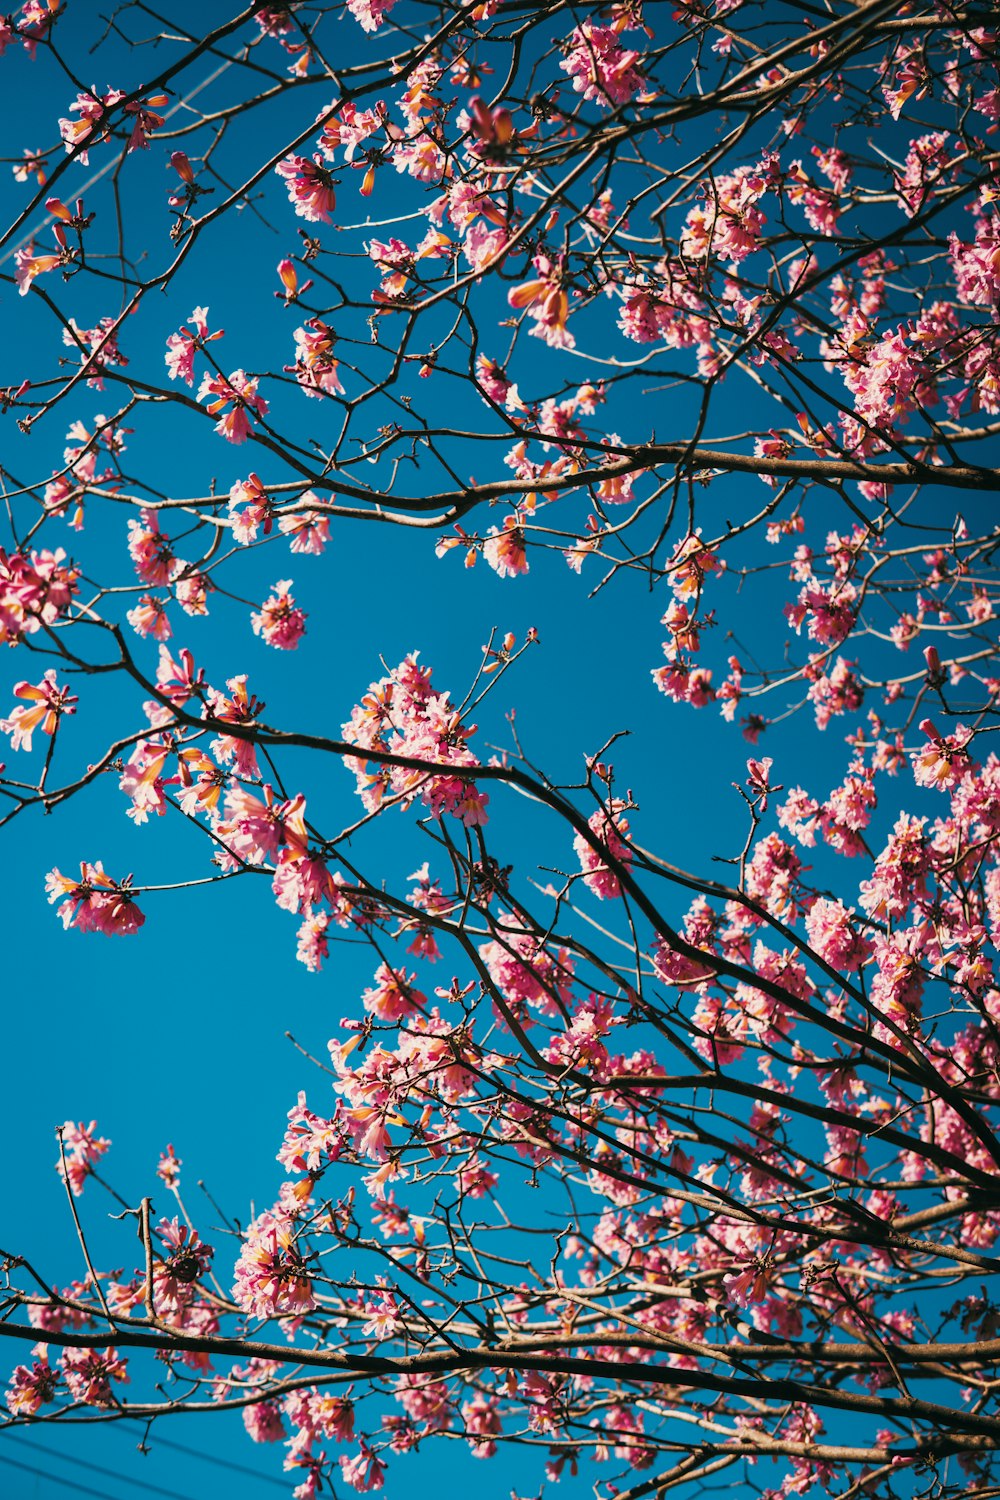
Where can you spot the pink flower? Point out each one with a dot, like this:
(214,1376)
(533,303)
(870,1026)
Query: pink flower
(95,902)
(753,1282)
(144,120)
(240,709)
(271,1275)
(149,617)
(384,1318)
(89,1374)
(181,347)
(168,1168)
(280,622)
(185,1258)
(310,187)
(34,1387)
(48,703)
(759,780)
(82,1147)
(91,127)
(259,511)
(150,550)
(370,13)
(239,389)
(315,368)
(28,265)
(600,67)
(548,302)
(308,530)
(833,934)
(609,827)
(365,1471)
(504,548)
(35,164)
(944,759)
(264,1420)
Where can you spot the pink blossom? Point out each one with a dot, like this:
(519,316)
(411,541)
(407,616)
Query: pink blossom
(239,709)
(150,550)
(308,530)
(95,902)
(82,1147)
(149,617)
(370,13)
(752,1283)
(365,1471)
(546,298)
(182,346)
(504,548)
(93,109)
(944,759)
(239,389)
(264,1422)
(34,1386)
(315,368)
(602,69)
(271,1275)
(279,621)
(310,187)
(48,702)
(608,826)
(89,1373)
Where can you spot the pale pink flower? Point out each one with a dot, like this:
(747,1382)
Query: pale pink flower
(308,530)
(548,302)
(370,13)
(365,1471)
(600,67)
(315,367)
(149,549)
(504,548)
(149,617)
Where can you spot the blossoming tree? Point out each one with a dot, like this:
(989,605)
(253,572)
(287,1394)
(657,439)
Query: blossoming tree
(699,297)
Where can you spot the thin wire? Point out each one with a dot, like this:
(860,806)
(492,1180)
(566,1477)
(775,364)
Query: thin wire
(109,165)
(67,1484)
(81,1463)
(209,1458)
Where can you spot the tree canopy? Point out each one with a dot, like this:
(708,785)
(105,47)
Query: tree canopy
(661,1177)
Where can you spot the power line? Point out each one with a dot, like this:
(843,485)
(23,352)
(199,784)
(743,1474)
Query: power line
(210,1458)
(82,1463)
(67,1484)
